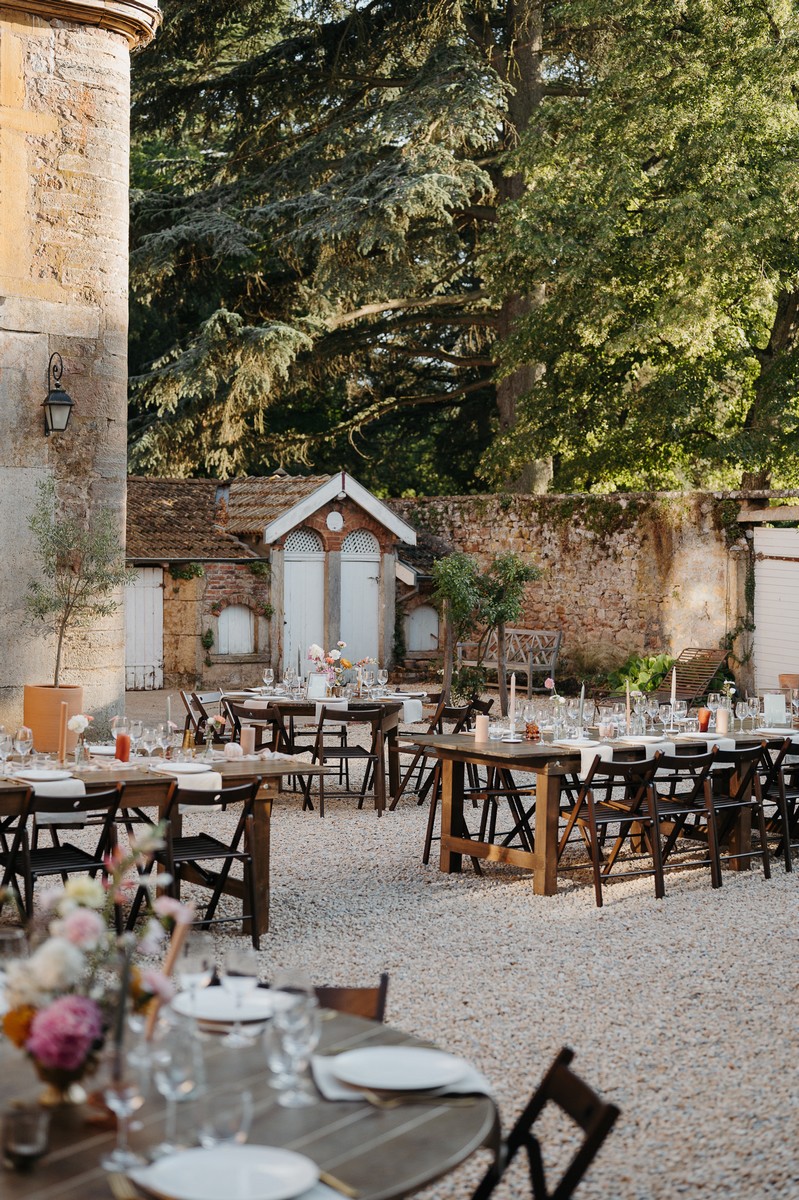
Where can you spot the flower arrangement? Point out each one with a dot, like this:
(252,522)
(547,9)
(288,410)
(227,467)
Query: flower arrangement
(75,986)
(79,724)
(332,664)
(728,689)
(550,684)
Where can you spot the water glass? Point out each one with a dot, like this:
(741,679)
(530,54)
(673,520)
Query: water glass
(496,731)
(136,730)
(239,979)
(297,1026)
(194,967)
(268,677)
(23,741)
(26,1129)
(177,1072)
(149,739)
(225,1117)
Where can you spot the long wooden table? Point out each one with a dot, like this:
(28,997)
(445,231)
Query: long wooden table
(383,1154)
(550,764)
(148,789)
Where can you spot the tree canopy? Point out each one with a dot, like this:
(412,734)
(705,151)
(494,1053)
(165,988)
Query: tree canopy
(344,214)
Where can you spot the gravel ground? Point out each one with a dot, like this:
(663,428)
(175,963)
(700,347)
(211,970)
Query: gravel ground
(682,1012)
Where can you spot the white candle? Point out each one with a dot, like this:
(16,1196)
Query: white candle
(512,707)
(628,704)
(582,706)
(168,711)
(673,688)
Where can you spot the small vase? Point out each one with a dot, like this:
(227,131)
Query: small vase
(209,748)
(62,1088)
(81,753)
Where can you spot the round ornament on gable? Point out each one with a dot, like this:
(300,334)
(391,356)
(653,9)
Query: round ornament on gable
(335,522)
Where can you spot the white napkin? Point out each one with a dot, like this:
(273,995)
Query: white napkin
(332,1088)
(412,712)
(665,747)
(209,781)
(337,705)
(589,753)
(60,788)
(272,756)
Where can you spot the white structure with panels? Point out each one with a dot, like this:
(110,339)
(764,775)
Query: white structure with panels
(776,605)
(144,630)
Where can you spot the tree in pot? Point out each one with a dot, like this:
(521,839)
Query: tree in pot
(82,566)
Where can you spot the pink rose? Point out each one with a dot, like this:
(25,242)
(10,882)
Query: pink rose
(63,1036)
(83,927)
(549,683)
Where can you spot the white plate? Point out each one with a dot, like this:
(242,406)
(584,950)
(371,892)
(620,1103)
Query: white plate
(186,768)
(646,737)
(44,775)
(777,731)
(229,1173)
(215,1004)
(399,1068)
(106,749)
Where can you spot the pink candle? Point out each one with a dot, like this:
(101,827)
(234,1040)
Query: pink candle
(248,739)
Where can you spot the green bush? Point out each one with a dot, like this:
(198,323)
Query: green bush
(645,674)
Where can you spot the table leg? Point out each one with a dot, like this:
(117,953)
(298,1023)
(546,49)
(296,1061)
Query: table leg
(391,741)
(545,853)
(261,836)
(451,813)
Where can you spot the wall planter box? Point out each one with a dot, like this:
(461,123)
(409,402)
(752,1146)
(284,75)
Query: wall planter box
(42,713)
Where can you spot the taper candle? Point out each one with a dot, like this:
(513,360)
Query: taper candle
(62,732)
(512,706)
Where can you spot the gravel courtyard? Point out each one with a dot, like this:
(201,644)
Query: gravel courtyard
(682,1012)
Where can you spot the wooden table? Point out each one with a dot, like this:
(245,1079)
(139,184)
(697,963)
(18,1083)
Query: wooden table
(382,1153)
(148,789)
(389,726)
(550,764)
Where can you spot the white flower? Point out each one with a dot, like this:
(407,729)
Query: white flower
(335,655)
(78,724)
(315,652)
(81,892)
(341,645)
(21,987)
(57,965)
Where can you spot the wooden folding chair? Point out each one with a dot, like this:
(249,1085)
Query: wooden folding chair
(369,1002)
(582,1105)
(329,726)
(779,786)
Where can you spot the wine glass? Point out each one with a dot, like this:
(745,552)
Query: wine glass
(177,1071)
(680,711)
(664,714)
(382,677)
(136,730)
(652,709)
(23,742)
(296,1025)
(149,740)
(124,1082)
(194,967)
(6,746)
(268,678)
(714,704)
(368,680)
(239,979)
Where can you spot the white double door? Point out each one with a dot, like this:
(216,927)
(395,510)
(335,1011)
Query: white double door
(360,605)
(144,630)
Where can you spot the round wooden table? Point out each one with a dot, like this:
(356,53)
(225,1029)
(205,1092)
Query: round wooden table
(382,1154)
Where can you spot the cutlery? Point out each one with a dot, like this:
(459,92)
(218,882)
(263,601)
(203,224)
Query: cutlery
(338,1185)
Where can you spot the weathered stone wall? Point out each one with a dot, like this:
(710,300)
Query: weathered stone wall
(64,138)
(637,572)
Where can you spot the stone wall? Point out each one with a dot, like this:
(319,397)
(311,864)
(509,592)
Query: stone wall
(64,137)
(623,573)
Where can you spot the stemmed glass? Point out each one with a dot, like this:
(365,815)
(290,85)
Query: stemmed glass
(177,1071)
(680,712)
(194,967)
(6,746)
(124,1082)
(268,678)
(714,704)
(136,729)
(665,715)
(382,677)
(239,979)
(23,742)
(368,680)
(652,709)
(296,1024)
(149,740)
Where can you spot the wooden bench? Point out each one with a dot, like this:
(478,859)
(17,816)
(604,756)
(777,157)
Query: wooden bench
(530,652)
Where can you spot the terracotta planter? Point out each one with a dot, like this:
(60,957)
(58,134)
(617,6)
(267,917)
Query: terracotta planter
(42,713)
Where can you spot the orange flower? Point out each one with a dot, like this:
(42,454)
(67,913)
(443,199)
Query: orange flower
(17,1024)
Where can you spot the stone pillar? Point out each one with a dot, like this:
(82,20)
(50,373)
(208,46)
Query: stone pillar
(64,150)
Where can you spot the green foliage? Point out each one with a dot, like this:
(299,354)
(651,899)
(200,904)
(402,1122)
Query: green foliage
(267,611)
(645,674)
(82,563)
(456,588)
(186,571)
(468,683)
(399,648)
(259,567)
(207,640)
(657,236)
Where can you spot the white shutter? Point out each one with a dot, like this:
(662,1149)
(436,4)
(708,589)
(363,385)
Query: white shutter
(144,630)
(776,605)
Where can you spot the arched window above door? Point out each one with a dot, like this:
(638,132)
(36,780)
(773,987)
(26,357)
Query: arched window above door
(236,630)
(303,541)
(361,542)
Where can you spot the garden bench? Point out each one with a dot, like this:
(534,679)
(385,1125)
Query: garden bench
(531,652)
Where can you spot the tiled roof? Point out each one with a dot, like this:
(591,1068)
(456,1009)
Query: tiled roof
(256,501)
(173,520)
(421,557)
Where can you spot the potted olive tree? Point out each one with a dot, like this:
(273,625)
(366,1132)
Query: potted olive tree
(82,566)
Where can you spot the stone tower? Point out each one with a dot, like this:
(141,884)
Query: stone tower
(64,150)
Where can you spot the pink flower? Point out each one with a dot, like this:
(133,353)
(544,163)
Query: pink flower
(157,984)
(168,906)
(83,927)
(63,1035)
(549,683)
